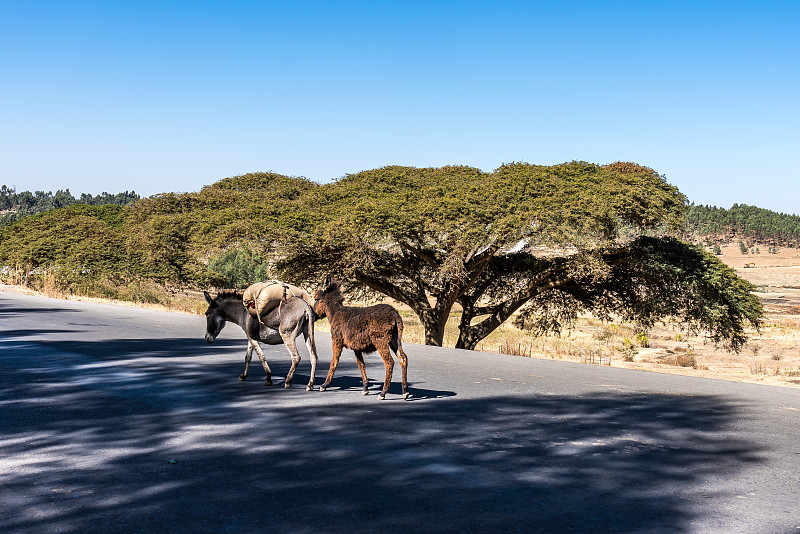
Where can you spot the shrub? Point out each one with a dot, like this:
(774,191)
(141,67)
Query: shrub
(604,334)
(627,349)
(238,268)
(641,339)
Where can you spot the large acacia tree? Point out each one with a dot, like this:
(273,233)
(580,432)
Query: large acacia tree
(542,242)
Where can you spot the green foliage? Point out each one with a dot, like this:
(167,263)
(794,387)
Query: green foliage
(174,235)
(73,244)
(650,280)
(641,339)
(168,239)
(274,186)
(239,268)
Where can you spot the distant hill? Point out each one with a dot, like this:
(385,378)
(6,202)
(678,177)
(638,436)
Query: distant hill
(15,206)
(712,225)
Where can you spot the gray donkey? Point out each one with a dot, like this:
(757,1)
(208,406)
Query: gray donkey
(281,326)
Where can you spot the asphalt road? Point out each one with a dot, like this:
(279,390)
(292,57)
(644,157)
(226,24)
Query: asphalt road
(116,419)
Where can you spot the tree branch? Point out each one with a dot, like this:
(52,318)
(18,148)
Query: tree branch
(394,291)
(424,255)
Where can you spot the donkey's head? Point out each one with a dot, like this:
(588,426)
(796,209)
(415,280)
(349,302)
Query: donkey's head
(215,320)
(330,294)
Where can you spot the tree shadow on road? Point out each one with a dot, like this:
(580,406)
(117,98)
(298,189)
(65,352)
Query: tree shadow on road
(107,445)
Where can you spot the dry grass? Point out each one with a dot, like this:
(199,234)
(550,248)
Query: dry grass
(686,359)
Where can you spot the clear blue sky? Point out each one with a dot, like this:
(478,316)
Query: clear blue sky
(170,96)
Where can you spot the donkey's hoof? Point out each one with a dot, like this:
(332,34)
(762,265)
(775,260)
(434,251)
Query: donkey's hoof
(365,392)
(287,383)
(323,388)
(406,395)
(268,382)
(242,378)
(310,387)
(381,396)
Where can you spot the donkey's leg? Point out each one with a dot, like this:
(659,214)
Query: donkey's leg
(403,359)
(388,362)
(363,369)
(264,364)
(312,351)
(247,357)
(291,345)
(336,346)
(397,348)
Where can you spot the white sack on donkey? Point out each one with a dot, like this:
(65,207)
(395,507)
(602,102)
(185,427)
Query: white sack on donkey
(263,297)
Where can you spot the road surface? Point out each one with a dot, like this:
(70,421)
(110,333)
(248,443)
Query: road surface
(118,419)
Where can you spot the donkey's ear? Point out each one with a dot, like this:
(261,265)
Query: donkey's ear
(210,301)
(327,283)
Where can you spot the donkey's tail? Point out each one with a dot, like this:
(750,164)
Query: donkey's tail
(398,325)
(310,318)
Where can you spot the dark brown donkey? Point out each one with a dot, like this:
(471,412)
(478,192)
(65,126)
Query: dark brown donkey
(363,330)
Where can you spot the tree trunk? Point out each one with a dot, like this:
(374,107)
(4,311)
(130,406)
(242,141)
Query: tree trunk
(470,335)
(434,322)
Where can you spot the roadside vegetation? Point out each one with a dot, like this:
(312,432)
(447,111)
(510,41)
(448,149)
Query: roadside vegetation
(466,253)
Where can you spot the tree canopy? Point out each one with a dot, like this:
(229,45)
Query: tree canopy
(524,238)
